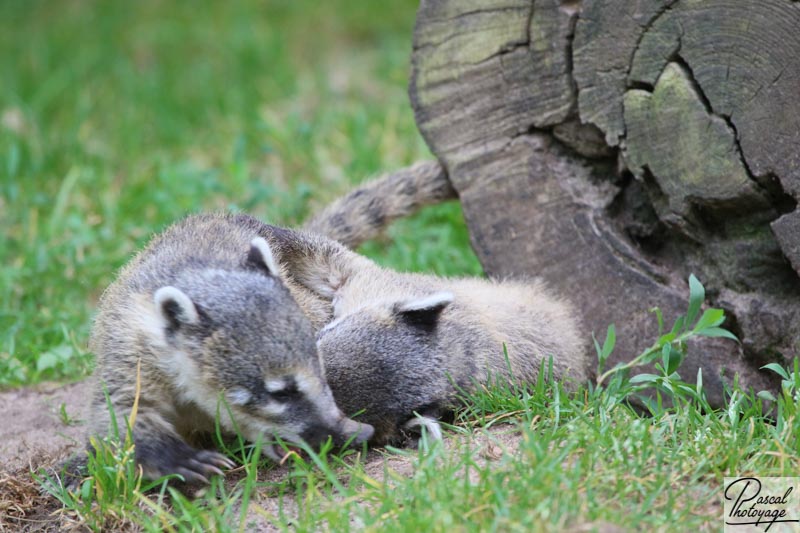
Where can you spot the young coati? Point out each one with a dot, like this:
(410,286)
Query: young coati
(399,344)
(203,317)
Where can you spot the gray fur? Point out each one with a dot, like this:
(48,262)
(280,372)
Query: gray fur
(399,344)
(254,300)
(204,311)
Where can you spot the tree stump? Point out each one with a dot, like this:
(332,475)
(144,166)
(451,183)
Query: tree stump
(613,148)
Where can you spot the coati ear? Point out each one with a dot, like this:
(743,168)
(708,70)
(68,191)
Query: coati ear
(423,312)
(175,307)
(261,258)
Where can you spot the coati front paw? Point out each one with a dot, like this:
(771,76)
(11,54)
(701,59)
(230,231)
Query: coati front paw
(171,455)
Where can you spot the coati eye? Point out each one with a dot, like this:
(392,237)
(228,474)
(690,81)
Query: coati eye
(289,392)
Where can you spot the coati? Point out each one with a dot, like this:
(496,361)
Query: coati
(401,343)
(203,311)
(410,332)
(396,344)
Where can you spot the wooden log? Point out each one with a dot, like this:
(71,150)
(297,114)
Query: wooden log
(606,36)
(614,147)
(744,56)
(692,154)
(475,63)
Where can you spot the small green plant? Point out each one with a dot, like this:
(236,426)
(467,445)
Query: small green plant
(789,397)
(113,493)
(113,484)
(66,418)
(666,354)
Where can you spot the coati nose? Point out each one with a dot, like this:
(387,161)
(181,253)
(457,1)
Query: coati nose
(359,431)
(344,431)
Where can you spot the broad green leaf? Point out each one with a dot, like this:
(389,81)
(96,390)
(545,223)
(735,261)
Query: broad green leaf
(766,395)
(711,318)
(610,342)
(778,369)
(672,359)
(696,296)
(644,378)
(665,357)
(86,490)
(718,332)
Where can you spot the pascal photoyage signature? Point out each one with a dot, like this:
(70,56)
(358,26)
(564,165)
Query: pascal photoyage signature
(750,507)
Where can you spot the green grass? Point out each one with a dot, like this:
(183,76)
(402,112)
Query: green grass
(117,118)
(579,460)
(549,459)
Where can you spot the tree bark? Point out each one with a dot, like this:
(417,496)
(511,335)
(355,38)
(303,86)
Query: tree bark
(613,148)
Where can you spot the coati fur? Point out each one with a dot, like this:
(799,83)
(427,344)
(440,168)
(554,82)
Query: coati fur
(400,343)
(202,316)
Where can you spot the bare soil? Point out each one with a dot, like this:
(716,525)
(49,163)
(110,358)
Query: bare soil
(34,434)
(32,424)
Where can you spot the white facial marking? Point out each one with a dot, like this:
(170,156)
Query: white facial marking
(273,408)
(238,396)
(274,385)
(255,428)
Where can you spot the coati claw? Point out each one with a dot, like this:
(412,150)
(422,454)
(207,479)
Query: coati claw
(190,476)
(174,456)
(201,465)
(215,458)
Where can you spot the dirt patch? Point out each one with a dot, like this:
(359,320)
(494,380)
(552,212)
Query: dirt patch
(35,434)
(33,425)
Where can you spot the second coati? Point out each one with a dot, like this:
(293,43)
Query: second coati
(395,344)
(400,343)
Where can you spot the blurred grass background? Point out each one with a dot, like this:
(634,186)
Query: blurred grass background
(117,118)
